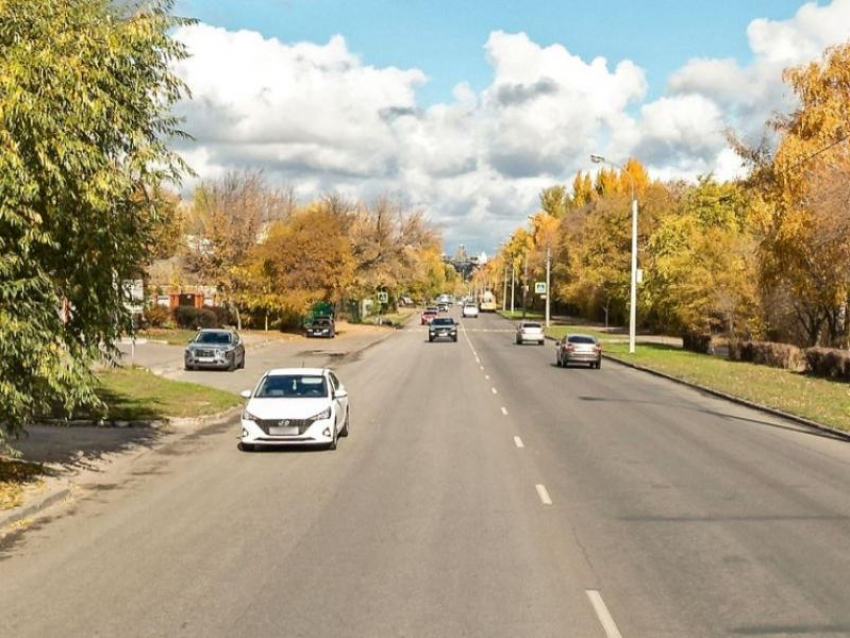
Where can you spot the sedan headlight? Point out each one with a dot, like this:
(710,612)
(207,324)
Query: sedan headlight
(247,416)
(325,414)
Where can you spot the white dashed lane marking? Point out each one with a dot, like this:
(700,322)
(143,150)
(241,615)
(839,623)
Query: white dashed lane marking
(603,614)
(504,411)
(543,494)
(518,442)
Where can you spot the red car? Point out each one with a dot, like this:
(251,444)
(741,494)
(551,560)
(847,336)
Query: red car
(426,317)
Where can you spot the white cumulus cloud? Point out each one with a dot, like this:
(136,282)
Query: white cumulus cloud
(318,117)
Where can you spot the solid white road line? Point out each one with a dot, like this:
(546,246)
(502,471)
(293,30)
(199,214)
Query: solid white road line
(603,614)
(504,411)
(494,391)
(543,494)
(518,442)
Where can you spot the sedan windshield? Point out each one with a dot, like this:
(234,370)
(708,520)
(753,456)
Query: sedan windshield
(531,325)
(292,386)
(219,338)
(581,339)
(443,322)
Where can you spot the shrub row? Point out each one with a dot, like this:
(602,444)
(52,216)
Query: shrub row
(188,317)
(769,353)
(821,362)
(698,342)
(828,362)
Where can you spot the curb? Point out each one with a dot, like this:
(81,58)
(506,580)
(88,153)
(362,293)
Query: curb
(841,434)
(26,511)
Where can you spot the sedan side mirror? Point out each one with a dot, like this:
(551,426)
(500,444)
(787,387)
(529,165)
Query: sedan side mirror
(341,393)
(245,394)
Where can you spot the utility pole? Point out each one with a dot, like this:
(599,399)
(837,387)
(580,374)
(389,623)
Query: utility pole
(548,282)
(505,290)
(525,286)
(513,286)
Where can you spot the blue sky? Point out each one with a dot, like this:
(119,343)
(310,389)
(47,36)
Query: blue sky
(466,110)
(444,38)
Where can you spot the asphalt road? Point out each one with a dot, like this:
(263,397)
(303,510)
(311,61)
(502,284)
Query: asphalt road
(482,492)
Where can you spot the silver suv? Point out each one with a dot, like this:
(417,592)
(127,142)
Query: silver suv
(215,349)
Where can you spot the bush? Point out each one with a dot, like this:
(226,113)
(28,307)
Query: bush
(223,316)
(698,342)
(195,318)
(158,317)
(828,362)
(769,353)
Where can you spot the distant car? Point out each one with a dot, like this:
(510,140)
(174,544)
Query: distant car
(428,315)
(530,331)
(579,349)
(442,328)
(407,301)
(470,311)
(215,349)
(321,327)
(445,299)
(295,406)
(442,307)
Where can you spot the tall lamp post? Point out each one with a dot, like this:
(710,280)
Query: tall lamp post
(599,159)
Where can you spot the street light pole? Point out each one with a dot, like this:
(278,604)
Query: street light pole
(599,159)
(513,286)
(505,290)
(525,286)
(548,281)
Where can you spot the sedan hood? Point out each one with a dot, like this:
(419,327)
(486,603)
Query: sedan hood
(274,408)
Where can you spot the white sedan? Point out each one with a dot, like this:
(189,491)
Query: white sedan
(470,311)
(295,406)
(530,331)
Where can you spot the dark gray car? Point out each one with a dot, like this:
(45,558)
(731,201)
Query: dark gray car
(215,350)
(579,349)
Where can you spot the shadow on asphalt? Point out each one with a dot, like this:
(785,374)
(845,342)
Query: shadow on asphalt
(81,447)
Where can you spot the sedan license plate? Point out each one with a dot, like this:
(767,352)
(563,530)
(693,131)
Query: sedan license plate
(206,359)
(279,430)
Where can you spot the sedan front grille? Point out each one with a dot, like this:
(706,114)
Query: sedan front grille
(203,353)
(301,424)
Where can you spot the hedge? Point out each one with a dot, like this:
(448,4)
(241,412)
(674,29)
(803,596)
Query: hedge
(195,318)
(698,342)
(769,353)
(828,362)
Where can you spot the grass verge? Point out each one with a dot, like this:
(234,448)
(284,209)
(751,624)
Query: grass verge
(396,318)
(820,400)
(133,394)
(172,336)
(559,331)
(531,315)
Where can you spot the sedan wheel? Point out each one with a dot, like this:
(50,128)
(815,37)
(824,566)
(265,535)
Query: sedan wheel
(246,447)
(332,444)
(345,428)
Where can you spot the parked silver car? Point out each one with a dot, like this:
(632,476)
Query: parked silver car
(215,349)
(579,349)
(530,332)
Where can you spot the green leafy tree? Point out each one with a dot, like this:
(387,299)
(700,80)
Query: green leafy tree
(86,88)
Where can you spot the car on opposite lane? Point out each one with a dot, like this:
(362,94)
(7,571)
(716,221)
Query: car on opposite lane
(530,332)
(295,406)
(579,348)
(214,349)
(442,328)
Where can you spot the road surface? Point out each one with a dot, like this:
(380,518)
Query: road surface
(482,492)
